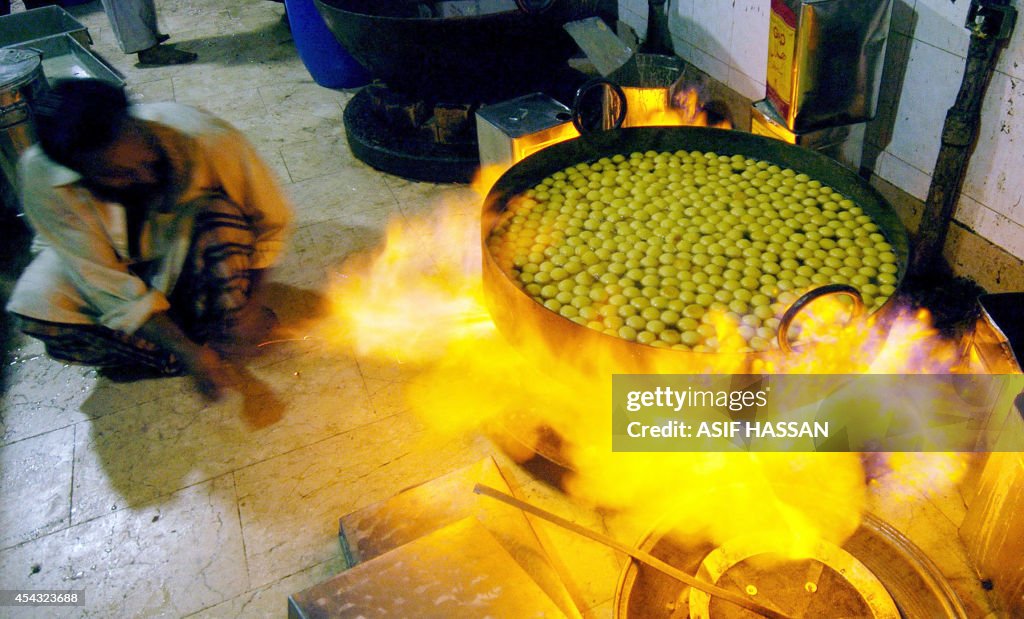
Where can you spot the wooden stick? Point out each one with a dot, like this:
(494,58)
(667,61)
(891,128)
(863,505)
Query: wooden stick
(636,553)
(959,135)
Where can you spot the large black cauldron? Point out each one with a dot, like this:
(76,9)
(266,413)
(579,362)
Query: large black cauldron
(479,59)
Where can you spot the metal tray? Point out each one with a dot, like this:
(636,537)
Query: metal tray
(64,56)
(30,26)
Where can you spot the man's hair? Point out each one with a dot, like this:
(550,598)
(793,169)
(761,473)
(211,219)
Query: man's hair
(78,116)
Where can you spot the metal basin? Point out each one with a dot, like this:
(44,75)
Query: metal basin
(479,58)
(518,316)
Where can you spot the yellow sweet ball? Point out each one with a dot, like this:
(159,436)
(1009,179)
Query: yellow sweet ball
(651,246)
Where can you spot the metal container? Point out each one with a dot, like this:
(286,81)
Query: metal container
(640,93)
(649,83)
(65,56)
(512,130)
(998,339)
(844,143)
(21,82)
(825,60)
(993,527)
(993,530)
(485,57)
(35,24)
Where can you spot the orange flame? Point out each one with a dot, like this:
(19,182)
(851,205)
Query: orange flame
(419,300)
(647,107)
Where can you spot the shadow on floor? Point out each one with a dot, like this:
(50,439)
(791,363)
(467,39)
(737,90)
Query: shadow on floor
(140,460)
(271,43)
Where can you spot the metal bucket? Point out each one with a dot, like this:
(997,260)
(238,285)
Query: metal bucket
(21,82)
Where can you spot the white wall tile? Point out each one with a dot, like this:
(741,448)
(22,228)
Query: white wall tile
(929,89)
(682,48)
(637,7)
(993,226)
(680,21)
(688,30)
(634,14)
(993,174)
(903,175)
(710,65)
(1011,59)
(750,41)
(941,23)
(681,9)
(749,87)
(712,21)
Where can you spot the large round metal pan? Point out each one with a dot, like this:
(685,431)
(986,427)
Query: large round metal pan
(519,316)
(473,58)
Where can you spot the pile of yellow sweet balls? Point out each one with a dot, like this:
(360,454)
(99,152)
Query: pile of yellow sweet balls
(659,247)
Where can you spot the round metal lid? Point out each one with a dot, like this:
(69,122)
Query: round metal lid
(18,65)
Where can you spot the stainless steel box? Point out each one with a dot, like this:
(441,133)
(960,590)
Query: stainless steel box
(844,143)
(29,26)
(825,60)
(511,130)
(64,56)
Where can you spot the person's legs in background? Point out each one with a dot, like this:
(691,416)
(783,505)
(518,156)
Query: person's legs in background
(134,25)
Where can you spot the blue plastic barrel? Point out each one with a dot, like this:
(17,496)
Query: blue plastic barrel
(326,60)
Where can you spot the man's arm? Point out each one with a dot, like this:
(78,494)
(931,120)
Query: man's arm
(253,186)
(203,363)
(73,224)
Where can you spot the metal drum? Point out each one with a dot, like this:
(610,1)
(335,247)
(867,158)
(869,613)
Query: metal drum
(21,82)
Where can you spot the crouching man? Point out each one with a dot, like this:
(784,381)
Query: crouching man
(155,225)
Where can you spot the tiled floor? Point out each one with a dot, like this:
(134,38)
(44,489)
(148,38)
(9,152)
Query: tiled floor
(157,503)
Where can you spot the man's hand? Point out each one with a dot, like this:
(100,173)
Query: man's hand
(210,373)
(254,325)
